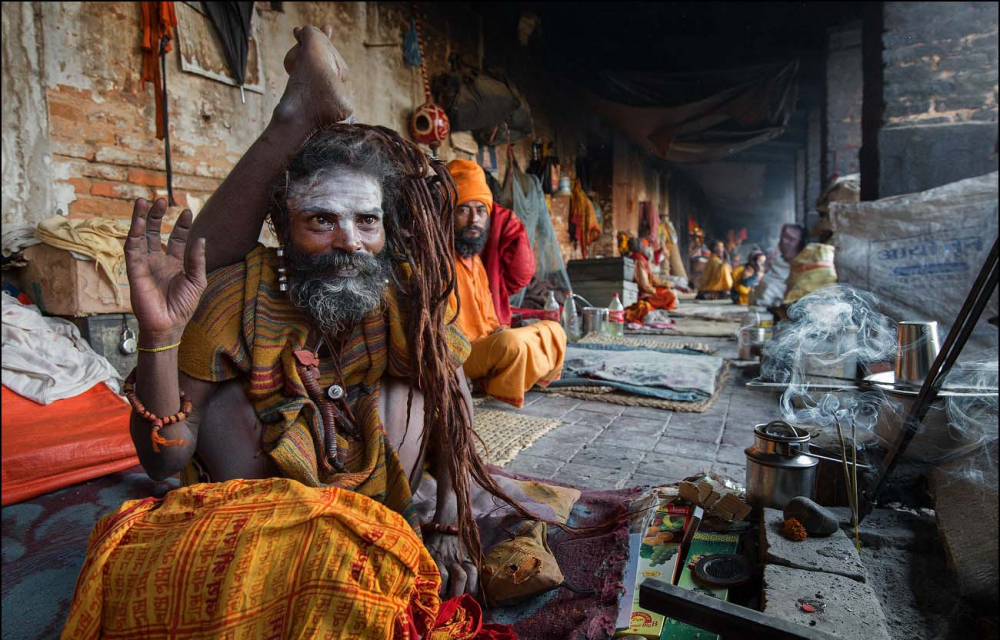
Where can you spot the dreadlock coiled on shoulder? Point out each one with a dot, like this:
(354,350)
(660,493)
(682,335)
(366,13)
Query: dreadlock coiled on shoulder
(418,202)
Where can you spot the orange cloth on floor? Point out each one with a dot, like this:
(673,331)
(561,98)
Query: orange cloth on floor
(48,447)
(260,558)
(663,299)
(509,362)
(718,276)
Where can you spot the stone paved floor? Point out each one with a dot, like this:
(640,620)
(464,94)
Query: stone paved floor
(603,445)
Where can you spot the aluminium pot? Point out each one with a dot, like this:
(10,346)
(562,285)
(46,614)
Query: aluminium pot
(778,466)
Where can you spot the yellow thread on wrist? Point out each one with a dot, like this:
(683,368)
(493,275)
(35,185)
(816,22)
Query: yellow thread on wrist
(159,349)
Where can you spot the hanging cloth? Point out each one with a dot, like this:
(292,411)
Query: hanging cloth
(232,22)
(158,21)
(522,193)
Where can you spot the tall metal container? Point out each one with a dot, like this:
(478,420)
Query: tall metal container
(778,468)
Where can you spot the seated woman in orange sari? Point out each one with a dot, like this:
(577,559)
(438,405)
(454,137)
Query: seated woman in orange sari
(654,292)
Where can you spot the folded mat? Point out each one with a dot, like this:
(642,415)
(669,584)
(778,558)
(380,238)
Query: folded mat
(48,447)
(683,375)
(45,540)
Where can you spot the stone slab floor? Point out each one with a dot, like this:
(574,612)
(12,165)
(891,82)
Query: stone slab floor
(603,445)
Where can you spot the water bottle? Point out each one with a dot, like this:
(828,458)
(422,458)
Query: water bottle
(616,317)
(570,320)
(552,308)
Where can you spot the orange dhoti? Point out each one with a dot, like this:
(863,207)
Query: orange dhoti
(509,362)
(664,298)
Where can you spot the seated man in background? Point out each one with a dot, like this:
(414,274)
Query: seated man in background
(504,362)
(746,277)
(717,281)
(770,290)
(654,292)
(507,255)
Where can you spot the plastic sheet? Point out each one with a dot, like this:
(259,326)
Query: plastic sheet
(921,252)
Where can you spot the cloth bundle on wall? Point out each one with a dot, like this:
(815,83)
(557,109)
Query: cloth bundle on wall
(483,102)
(232,22)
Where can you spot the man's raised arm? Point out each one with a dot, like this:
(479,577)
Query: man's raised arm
(315,96)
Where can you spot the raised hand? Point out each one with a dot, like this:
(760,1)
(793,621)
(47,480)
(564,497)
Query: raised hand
(316,93)
(165,287)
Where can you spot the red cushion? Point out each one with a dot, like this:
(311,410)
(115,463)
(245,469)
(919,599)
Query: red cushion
(48,447)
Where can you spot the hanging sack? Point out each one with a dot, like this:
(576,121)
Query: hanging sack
(482,102)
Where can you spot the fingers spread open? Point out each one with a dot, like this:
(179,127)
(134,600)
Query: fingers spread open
(179,236)
(153,223)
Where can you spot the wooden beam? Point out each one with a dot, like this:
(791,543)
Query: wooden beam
(718,616)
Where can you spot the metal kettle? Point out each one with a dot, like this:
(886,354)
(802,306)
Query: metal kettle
(779,466)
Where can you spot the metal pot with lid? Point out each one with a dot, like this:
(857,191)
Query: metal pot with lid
(779,466)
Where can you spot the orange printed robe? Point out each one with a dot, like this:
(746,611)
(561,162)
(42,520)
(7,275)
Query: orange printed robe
(263,559)
(509,362)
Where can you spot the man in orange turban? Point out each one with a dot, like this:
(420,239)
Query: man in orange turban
(493,261)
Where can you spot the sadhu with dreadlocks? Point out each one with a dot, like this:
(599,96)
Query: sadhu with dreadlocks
(300,393)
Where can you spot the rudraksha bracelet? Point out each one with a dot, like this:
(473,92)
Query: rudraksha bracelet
(157,422)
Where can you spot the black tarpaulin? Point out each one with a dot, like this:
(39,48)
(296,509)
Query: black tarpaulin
(698,116)
(232,22)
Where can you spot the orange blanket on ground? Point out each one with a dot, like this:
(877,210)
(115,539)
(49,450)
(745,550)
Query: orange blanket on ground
(263,558)
(48,447)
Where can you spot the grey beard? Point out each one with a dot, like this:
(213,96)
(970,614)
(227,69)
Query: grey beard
(335,303)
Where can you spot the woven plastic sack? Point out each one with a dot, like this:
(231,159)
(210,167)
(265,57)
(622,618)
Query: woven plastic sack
(812,269)
(522,193)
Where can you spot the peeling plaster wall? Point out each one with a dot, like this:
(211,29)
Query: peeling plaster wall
(79,129)
(27,189)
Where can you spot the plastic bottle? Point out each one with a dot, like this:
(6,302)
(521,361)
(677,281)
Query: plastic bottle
(616,317)
(570,319)
(552,308)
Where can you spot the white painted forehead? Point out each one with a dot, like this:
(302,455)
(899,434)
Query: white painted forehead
(337,188)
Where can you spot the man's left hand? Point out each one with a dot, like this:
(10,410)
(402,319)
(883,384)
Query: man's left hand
(458,572)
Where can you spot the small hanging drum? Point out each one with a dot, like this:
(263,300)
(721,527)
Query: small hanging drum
(429,122)
(429,125)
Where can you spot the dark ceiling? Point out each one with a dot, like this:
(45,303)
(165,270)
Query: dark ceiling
(674,36)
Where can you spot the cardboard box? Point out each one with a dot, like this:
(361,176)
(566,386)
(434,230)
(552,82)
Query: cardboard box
(61,284)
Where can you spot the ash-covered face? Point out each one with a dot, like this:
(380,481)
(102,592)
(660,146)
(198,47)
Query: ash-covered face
(338,258)
(472,228)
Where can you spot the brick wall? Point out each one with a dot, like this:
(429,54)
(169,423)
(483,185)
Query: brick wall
(844,85)
(940,92)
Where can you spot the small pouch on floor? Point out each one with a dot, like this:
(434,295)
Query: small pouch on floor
(521,567)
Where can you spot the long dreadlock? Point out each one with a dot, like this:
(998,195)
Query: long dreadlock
(418,200)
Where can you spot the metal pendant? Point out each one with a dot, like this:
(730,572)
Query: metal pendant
(128,345)
(335,392)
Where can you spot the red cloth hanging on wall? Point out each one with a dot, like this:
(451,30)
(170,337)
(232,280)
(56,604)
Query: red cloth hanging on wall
(158,21)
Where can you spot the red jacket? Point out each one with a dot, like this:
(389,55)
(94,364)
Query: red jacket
(508,259)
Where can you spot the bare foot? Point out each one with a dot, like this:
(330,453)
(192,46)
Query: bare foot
(316,94)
